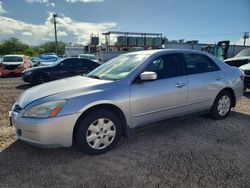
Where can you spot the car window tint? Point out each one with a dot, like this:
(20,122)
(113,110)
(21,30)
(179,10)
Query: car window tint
(166,66)
(198,63)
(86,63)
(69,63)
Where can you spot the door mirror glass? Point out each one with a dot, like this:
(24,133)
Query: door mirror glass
(148,76)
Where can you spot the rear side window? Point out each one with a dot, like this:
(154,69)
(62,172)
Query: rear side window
(198,63)
(69,63)
(167,66)
(87,63)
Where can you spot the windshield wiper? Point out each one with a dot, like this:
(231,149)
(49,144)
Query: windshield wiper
(94,76)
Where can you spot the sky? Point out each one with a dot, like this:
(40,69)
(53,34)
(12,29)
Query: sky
(208,21)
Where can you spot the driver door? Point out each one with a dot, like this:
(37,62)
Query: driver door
(165,97)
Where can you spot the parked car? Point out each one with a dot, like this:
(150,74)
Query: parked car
(62,69)
(13,65)
(88,56)
(242,58)
(45,60)
(127,92)
(242,61)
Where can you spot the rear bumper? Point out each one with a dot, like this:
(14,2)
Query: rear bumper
(6,72)
(45,132)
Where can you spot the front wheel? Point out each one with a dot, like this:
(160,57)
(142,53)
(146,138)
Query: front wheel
(98,132)
(222,106)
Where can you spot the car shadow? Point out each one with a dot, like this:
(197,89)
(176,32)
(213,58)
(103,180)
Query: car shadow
(142,150)
(24,86)
(247,93)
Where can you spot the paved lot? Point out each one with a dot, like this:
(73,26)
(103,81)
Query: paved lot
(184,152)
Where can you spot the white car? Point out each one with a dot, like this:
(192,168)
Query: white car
(242,61)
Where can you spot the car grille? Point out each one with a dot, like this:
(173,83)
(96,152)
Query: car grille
(247,72)
(10,67)
(17,108)
(237,63)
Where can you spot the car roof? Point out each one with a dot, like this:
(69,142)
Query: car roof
(160,51)
(18,55)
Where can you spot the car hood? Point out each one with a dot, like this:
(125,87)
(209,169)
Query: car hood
(238,58)
(56,87)
(245,67)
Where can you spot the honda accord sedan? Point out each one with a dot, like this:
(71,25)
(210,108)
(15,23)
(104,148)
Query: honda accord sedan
(127,92)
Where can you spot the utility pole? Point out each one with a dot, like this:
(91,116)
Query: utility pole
(245,37)
(54,21)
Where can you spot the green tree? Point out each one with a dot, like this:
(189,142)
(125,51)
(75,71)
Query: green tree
(30,52)
(50,47)
(12,46)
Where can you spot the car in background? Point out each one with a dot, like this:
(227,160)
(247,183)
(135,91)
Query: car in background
(88,56)
(242,58)
(242,61)
(45,60)
(127,92)
(14,64)
(61,69)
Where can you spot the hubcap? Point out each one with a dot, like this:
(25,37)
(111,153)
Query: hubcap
(101,133)
(224,105)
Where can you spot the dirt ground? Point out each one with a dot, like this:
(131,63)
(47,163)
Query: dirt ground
(192,151)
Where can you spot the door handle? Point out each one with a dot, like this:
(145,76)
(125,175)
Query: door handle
(180,84)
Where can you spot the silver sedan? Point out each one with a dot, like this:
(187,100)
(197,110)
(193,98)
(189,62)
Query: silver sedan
(127,92)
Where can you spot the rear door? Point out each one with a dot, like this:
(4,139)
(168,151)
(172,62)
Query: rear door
(165,97)
(205,80)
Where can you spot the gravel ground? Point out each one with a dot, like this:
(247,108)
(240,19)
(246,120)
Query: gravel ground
(192,151)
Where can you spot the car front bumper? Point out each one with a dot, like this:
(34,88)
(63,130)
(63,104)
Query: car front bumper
(247,81)
(27,78)
(6,72)
(45,132)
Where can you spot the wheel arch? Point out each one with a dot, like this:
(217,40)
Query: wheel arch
(107,106)
(231,91)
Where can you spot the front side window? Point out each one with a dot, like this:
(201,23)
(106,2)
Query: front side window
(198,63)
(166,66)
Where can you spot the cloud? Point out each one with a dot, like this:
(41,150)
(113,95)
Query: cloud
(37,1)
(26,33)
(50,4)
(84,1)
(241,42)
(2,11)
(46,2)
(68,30)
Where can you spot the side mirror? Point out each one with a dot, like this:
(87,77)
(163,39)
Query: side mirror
(148,76)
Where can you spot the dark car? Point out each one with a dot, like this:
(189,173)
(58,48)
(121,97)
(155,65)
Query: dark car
(61,69)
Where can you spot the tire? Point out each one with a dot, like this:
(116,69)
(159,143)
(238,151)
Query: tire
(97,132)
(222,106)
(40,79)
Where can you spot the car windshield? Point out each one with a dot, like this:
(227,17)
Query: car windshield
(245,52)
(12,59)
(118,68)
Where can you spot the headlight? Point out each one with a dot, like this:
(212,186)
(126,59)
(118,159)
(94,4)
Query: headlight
(45,110)
(28,73)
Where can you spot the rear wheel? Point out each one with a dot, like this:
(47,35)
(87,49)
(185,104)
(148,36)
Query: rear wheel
(222,106)
(40,79)
(97,132)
